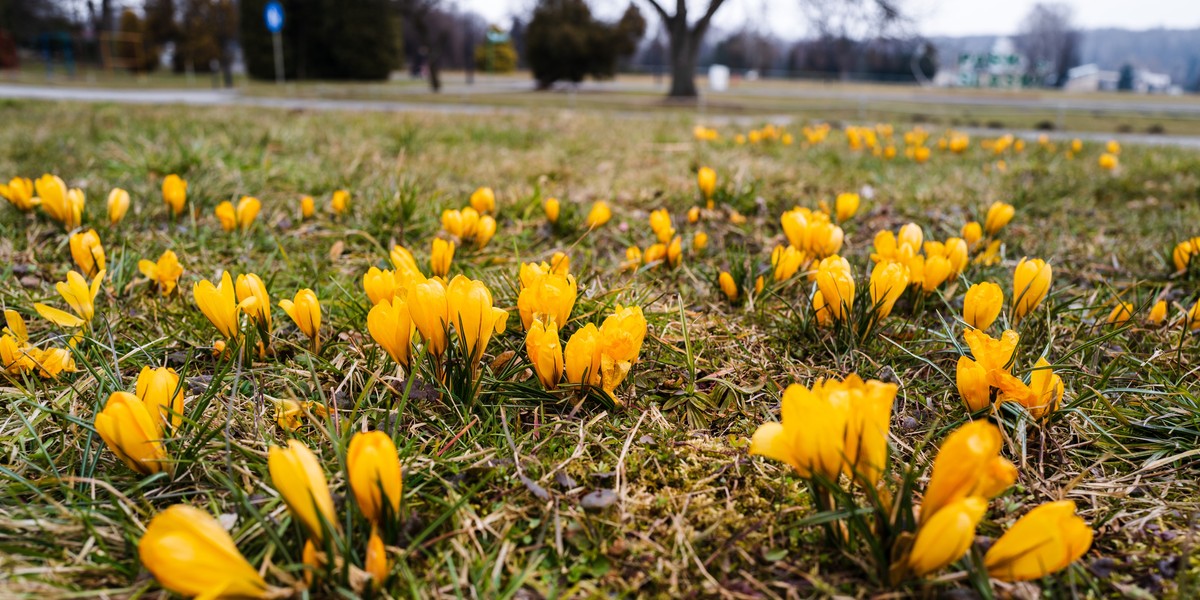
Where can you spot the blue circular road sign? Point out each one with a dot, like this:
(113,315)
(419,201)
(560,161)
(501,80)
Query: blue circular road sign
(273,15)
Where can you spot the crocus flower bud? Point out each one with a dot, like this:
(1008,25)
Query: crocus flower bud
(440,257)
(483,200)
(189,553)
(305,312)
(1046,540)
(297,476)
(174,191)
(219,304)
(87,252)
(946,536)
(599,215)
(1031,283)
(130,431)
(706,180)
(982,304)
(391,326)
(968,464)
(118,205)
(545,353)
(582,356)
(160,391)
(373,467)
(998,215)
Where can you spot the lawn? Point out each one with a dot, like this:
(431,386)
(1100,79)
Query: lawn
(510,490)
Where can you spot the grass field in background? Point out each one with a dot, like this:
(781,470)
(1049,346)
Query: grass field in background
(830,100)
(500,498)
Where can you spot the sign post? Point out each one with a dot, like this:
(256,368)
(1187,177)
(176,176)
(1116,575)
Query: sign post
(273,15)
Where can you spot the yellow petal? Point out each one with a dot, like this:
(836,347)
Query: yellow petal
(61,318)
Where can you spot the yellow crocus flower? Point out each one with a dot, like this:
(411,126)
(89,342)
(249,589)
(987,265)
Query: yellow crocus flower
(382,285)
(946,536)
(485,232)
(430,312)
(165,273)
(1041,397)
(405,263)
(706,180)
(160,390)
(219,304)
(598,215)
(79,296)
(972,232)
(339,202)
(473,315)
(581,358)
(888,282)
(545,353)
(1184,253)
(297,476)
(1031,284)
(227,215)
(391,326)
(836,283)
(189,553)
(118,205)
(373,469)
(1121,313)
(174,192)
(968,464)
(254,300)
(440,257)
(133,434)
(376,563)
(973,383)
(990,353)
(483,200)
(19,193)
(549,297)
(982,304)
(1158,313)
(87,252)
(846,206)
(998,215)
(621,337)
(59,203)
(305,312)
(1046,540)
(240,217)
(836,427)
(729,287)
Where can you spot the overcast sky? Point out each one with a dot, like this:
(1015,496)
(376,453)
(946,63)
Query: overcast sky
(933,17)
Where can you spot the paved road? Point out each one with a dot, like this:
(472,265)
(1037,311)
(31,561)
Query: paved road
(234,98)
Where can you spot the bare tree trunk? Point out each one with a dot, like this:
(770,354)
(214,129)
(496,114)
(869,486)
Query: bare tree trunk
(683,64)
(106,16)
(434,62)
(685,44)
(430,38)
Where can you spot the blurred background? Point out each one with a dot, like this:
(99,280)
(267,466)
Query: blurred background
(1075,61)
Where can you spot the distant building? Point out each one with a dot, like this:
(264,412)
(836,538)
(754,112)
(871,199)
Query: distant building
(1091,78)
(1001,67)
(1147,82)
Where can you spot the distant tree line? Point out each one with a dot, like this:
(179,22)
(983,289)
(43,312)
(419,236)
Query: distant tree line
(557,40)
(560,40)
